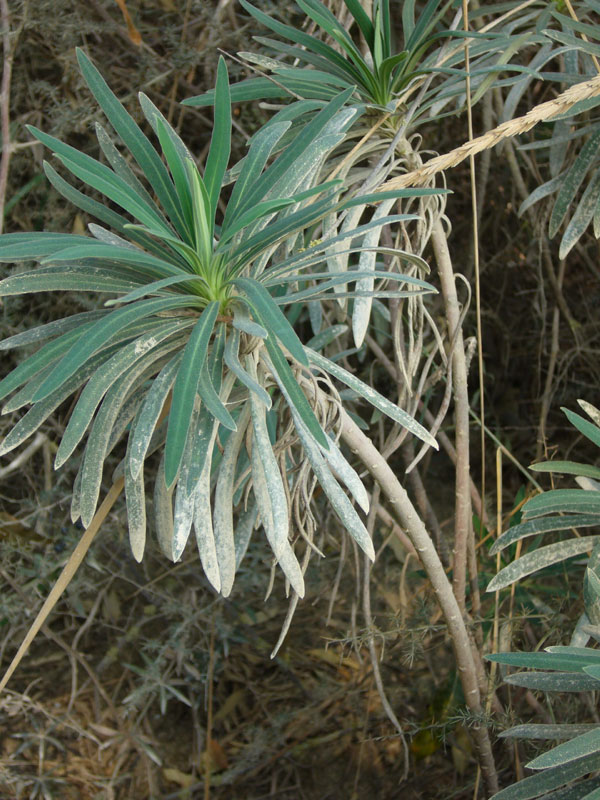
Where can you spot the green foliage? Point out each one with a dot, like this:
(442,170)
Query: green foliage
(195,358)
(380,78)
(556,510)
(573,668)
(573,154)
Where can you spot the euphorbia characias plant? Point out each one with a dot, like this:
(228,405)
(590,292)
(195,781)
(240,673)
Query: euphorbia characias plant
(194,357)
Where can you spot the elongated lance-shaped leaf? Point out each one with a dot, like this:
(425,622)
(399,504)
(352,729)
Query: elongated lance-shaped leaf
(183,514)
(589,430)
(373,397)
(554,681)
(153,288)
(363,21)
(565,500)
(586,744)
(338,499)
(69,278)
(292,153)
(573,181)
(107,236)
(567,468)
(35,246)
(25,395)
(312,254)
(565,662)
(260,210)
(337,251)
(539,784)
(285,376)
(201,437)
(185,389)
(249,89)
(336,496)
(109,254)
(220,143)
(231,358)
(311,43)
(320,293)
(362,305)
(557,731)
(206,387)
(40,412)
(543,525)
(145,425)
(101,178)
(288,561)
(76,496)
(135,497)
(163,511)
(52,352)
(272,318)
(203,526)
(99,438)
(51,329)
(98,210)
(261,146)
(201,211)
(327,336)
(540,558)
(243,531)
(590,653)
(101,332)
(223,528)
(270,468)
(175,152)
(582,216)
(139,146)
(348,475)
(102,381)
(178,169)
(124,171)
(323,16)
(242,322)
(278,231)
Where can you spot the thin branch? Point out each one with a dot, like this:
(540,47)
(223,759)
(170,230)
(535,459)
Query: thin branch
(8,49)
(463,514)
(366,595)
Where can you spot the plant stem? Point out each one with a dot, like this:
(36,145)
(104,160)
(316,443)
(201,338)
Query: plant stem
(409,519)
(463,513)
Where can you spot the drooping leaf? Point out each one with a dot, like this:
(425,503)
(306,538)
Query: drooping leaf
(100,333)
(540,558)
(372,396)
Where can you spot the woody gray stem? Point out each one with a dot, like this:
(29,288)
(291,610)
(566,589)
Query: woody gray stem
(463,513)
(409,519)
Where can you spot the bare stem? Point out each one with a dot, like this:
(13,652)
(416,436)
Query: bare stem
(5,105)
(463,514)
(409,519)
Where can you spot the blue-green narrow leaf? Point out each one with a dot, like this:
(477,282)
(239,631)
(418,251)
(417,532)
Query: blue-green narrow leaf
(185,388)
(101,332)
(220,143)
(272,318)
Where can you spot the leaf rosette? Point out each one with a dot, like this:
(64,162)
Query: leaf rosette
(193,358)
